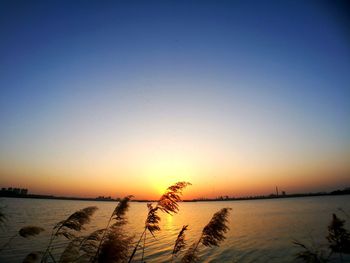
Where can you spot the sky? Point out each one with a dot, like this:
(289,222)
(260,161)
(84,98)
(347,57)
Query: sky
(128,97)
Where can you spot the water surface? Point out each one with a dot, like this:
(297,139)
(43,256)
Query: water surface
(260,230)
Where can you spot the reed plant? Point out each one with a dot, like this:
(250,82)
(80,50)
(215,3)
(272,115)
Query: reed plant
(25,232)
(2,216)
(108,245)
(112,244)
(338,244)
(68,228)
(180,242)
(212,235)
(168,203)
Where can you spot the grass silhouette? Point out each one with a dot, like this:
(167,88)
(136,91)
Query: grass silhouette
(167,203)
(338,244)
(180,242)
(112,244)
(27,231)
(212,234)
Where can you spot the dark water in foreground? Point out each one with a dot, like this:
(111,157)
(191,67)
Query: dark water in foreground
(260,230)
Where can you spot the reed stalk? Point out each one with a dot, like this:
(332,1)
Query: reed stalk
(27,231)
(212,234)
(143,247)
(118,216)
(75,222)
(168,203)
(179,242)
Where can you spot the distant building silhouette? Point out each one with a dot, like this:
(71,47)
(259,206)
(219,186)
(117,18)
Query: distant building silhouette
(102,198)
(24,191)
(13,191)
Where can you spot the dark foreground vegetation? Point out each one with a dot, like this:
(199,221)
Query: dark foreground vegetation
(113,244)
(337,246)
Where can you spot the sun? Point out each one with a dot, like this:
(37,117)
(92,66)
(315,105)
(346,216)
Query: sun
(164,172)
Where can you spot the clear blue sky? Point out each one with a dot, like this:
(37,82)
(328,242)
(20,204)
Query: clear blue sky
(246,83)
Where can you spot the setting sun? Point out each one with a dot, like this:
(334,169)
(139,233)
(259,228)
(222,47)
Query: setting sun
(165,169)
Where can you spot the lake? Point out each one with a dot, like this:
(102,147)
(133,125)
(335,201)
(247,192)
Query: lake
(260,230)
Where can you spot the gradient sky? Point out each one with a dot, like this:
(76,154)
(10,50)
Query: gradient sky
(127,97)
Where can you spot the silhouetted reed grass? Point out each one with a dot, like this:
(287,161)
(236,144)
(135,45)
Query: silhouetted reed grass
(115,247)
(74,223)
(112,244)
(109,244)
(2,216)
(180,242)
(338,237)
(27,231)
(212,234)
(191,254)
(33,257)
(338,244)
(167,203)
(310,254)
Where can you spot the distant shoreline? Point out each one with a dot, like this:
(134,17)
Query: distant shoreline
(272,196)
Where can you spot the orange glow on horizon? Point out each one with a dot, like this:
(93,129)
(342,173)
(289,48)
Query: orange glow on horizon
(145,170)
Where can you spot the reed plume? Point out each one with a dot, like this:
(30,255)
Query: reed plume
(28,231)
(33,257)
(82,249)
(25,232)
(167,203)
(89,244)
(3,219)
(109,244)
(75,222)
(212,234)
(119,212)
(115,247)
(113,235)
(152,220)
(2,216)
(180,242)
(338,237)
